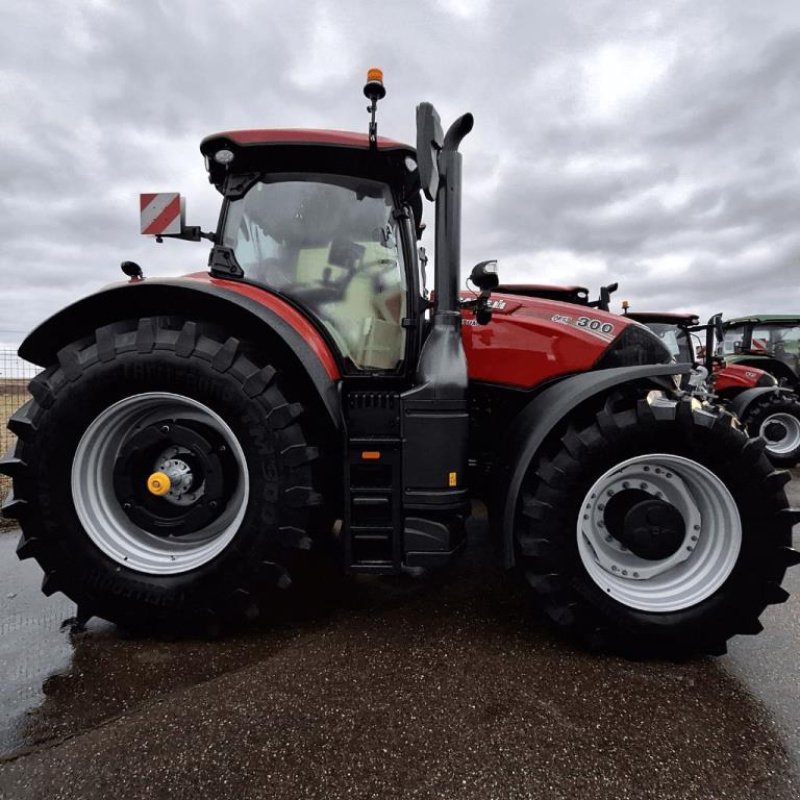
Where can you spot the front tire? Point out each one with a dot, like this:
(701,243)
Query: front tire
(776,419)
(657,529)
(155,397)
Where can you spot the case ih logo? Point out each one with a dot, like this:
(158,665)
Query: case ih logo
(161,213)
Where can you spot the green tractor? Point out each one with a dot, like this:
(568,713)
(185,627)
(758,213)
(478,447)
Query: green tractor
(767,341)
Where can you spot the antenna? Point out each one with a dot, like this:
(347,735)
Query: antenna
(374,90)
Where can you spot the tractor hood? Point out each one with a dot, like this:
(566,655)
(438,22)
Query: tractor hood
(739,376)
(531,340)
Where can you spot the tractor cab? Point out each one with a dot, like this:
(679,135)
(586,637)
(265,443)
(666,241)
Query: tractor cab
(674,330)
(329,221)
(771,342)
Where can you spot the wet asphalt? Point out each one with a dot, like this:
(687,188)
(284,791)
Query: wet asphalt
(444,687)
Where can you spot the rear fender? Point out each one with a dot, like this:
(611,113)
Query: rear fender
(742,402)
(260,317)
(544,414)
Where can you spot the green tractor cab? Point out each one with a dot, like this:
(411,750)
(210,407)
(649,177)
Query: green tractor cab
(770,342)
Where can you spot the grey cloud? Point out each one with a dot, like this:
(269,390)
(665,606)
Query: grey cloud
(702,166)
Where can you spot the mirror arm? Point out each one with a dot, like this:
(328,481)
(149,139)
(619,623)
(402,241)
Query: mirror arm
(189,233)
(479,306)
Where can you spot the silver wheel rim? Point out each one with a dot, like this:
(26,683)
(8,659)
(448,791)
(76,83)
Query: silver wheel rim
(705,557)
(790,441)
(100,511)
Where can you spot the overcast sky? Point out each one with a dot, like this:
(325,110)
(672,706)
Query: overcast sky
(655,144)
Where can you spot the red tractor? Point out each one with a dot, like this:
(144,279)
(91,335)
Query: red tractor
(764,408)
(754,396)
(190,440)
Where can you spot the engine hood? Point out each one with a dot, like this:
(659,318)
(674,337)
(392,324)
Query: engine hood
(531,340)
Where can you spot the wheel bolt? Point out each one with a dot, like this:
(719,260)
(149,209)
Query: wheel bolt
(222,448)
(126,506)
(165,429)
(212,504)
(625,485)
(601,506)
(669,474)
(697,527)
(614,568)
(694,538)
(643,486)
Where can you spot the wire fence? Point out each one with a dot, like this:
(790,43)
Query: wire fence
(14,376)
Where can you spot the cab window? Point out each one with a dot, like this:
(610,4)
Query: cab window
(332,244)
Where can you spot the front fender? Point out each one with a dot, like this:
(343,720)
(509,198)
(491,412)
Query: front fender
(742,402)
(543,414)
(264,319)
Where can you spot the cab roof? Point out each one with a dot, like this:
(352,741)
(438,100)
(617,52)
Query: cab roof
(260,151)
(664,317)
(762,318)
(265,137)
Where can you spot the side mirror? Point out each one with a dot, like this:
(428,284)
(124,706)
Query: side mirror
(430,140)
(484,276)
(719,328)
(605,296)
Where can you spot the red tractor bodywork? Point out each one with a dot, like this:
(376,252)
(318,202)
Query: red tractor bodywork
(271,301)
(532,340)
(734,377)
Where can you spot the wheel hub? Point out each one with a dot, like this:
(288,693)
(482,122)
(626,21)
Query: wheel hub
(649,527)
(774,431)
(170,477)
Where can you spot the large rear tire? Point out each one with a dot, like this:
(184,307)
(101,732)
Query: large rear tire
(657,529)
(138,401)
(776,419)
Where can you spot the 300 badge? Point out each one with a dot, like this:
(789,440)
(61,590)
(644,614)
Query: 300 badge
(594,325)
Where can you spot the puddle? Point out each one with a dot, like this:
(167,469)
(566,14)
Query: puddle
(32,644)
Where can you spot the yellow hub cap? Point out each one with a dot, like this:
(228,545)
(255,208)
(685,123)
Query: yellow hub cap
(159,483)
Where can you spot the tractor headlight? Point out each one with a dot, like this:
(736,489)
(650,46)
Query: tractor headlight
(223,157)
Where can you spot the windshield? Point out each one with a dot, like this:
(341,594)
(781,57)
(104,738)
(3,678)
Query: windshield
(781,341)
(732,342)
(332,244)
(676,340)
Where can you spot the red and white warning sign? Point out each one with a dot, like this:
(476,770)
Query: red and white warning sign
(161,213)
